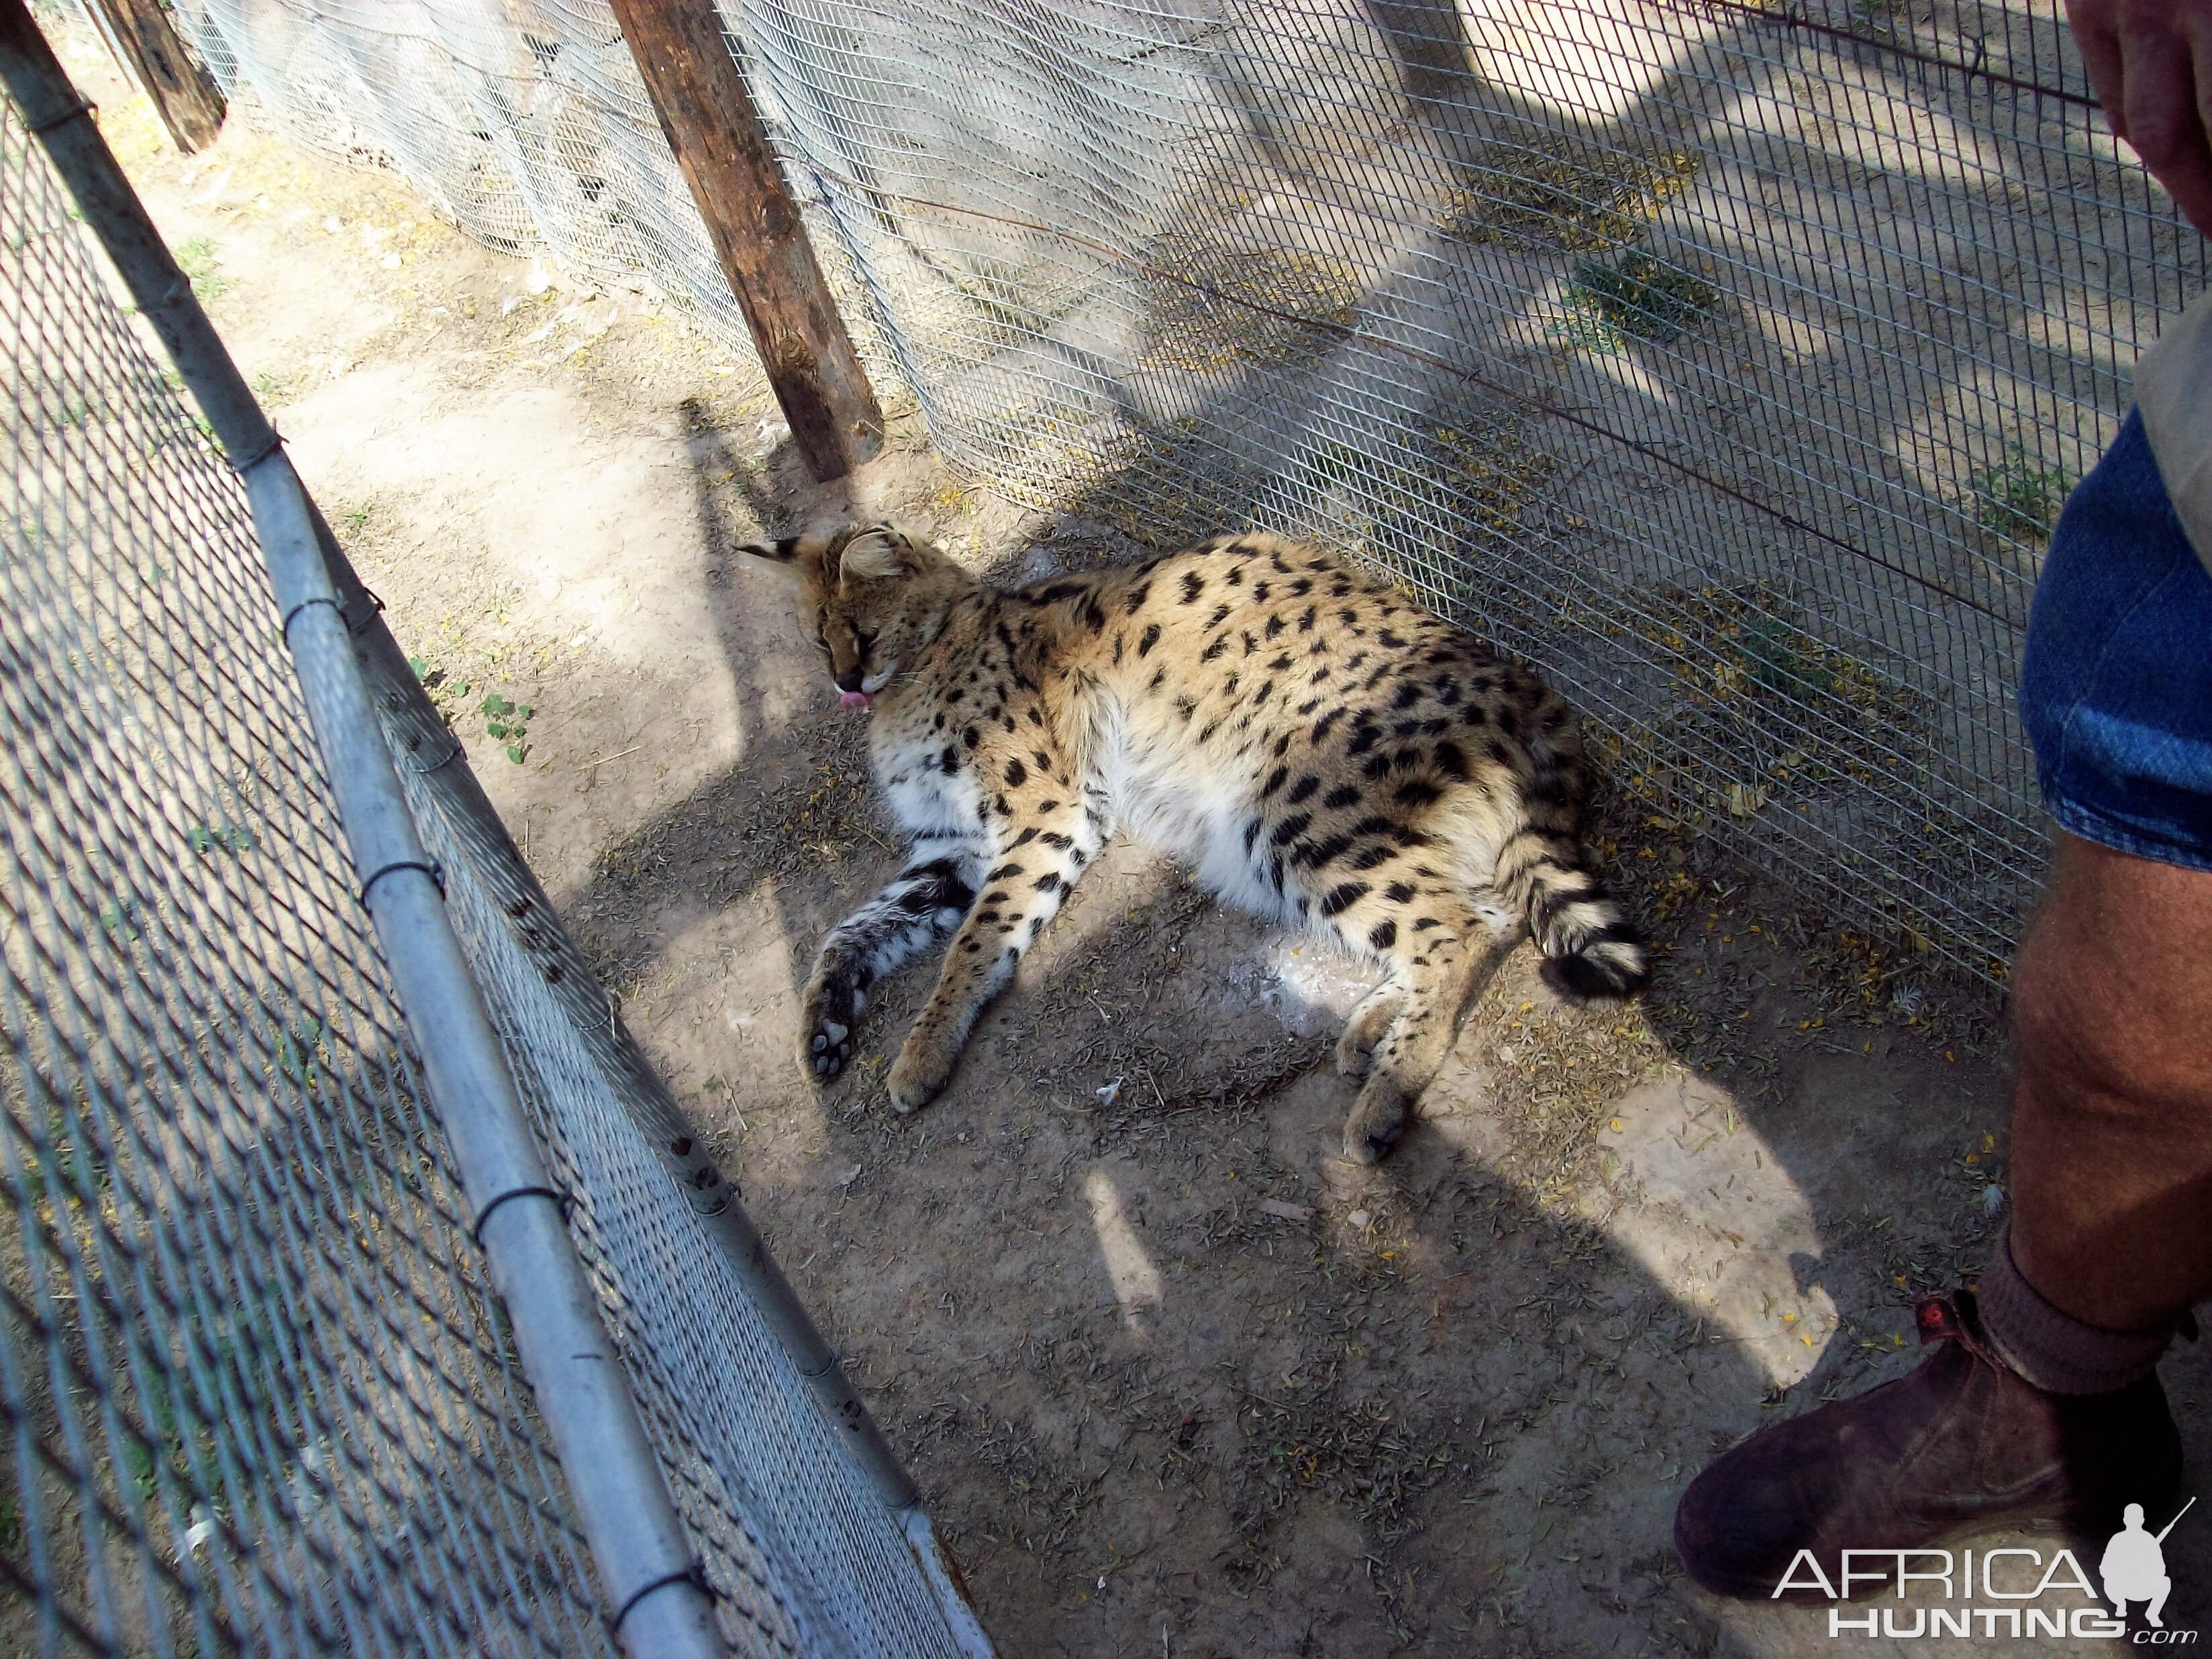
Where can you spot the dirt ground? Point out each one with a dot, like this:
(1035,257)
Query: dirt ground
(1174,1379)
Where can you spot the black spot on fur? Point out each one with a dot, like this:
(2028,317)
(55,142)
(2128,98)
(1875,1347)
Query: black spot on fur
(1303,791)
(1343,897)
(1276,779)
(1252,835)
(949,762)
(1220,616)
(1306,620)
(1151,638)
(1399,891)
(1374,855)
(1449,760)
(1309,855)
(1345,794)
(1219,645)
(1259,591)
(1026,837)
(1138,595)
(1325,724)
(1289,830)
(1275,626)
(1382,935)
(1193,585)
(1049,882)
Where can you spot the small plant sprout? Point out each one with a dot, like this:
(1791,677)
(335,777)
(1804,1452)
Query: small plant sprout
(510,722)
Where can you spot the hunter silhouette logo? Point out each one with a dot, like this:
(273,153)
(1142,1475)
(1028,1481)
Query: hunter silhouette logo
(2133,1567)
(2014,1591)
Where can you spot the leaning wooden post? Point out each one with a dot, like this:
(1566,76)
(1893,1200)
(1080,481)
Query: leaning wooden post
(190,103)
(716,133)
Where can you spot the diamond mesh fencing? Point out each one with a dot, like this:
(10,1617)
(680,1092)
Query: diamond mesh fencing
(257,1393)
(1730,362)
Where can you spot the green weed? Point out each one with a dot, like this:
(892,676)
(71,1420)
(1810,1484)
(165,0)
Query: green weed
(1639,296)
(2016,498)
(195,259)
(509,721)
(232,838)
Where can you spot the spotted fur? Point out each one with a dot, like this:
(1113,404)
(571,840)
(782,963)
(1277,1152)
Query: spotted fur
(1320,749)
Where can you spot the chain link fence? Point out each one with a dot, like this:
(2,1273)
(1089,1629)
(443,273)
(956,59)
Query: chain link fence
(1730,362)
(257,1393)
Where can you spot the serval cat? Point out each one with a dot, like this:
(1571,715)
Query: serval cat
(1317,748)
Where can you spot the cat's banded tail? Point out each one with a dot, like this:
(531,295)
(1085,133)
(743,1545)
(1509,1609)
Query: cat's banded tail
(1590,949)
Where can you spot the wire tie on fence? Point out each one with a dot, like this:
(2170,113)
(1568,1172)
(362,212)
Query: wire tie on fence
(566,1201)
(284,627)
(376,607)
(275,442)
(429,868)
(61,118)
(695,1575)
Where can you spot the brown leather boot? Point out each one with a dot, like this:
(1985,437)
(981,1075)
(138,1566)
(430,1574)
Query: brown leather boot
(1960,1444)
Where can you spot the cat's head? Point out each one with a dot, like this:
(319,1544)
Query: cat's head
(872,595)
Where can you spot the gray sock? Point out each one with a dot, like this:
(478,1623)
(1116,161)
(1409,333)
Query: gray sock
(2055,1350)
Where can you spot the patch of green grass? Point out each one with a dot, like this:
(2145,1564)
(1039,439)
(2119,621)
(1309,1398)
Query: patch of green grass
(1639,296)
(2016,498)
(302,1051)
(349,519)
(273,389)
(1564,192)
(195,259)
(230,837)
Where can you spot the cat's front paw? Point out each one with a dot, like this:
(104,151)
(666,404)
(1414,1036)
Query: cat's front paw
(828,1020)
(920,1073)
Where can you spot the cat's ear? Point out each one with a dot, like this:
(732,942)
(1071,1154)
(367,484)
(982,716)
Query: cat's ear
(878,554)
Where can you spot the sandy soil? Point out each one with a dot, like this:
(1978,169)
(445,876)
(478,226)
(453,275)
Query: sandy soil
(1174,1379)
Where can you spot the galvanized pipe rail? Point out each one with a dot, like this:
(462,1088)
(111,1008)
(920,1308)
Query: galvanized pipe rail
(657,1604)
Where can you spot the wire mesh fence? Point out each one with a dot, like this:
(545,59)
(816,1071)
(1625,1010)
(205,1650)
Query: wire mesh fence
(256,1391)
(1730,362)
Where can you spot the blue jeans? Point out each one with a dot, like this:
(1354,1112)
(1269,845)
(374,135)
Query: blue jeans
(2115,683)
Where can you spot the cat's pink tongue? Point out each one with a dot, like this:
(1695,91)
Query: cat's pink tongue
(853,700)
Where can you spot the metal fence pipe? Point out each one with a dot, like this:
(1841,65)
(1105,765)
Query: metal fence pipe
(659,1604)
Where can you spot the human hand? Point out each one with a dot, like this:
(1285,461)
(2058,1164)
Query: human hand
(2151,62)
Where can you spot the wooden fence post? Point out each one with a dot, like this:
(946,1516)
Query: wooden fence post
(190,103)
(715,131)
